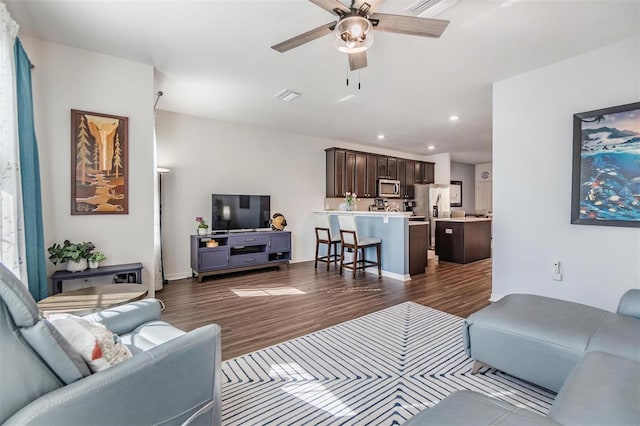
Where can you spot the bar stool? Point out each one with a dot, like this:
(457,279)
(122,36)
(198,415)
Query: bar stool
(323,236)
(350,239)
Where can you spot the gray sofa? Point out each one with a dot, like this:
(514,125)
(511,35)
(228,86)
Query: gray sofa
(172,378)
(589,355)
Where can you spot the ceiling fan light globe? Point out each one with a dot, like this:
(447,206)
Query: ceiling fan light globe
(353,45)
(353,27)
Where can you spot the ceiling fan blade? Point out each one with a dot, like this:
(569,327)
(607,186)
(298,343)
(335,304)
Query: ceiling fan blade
(373,5)
(424,27)
(357,60)
(331,6)
(304,38)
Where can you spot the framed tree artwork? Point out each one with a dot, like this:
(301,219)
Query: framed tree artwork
(99,163)
(606,172)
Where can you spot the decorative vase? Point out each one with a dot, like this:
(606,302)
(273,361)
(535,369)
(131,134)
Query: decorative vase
(203,231)
(349,206)
(76,266)
(93,265)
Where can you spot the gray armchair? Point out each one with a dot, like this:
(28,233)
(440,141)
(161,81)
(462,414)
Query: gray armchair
(172,378)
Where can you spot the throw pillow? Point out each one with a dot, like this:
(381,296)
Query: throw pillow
(99,347)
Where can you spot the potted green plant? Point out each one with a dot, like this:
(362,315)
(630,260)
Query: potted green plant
(95,258)
(74,254)
(203,228)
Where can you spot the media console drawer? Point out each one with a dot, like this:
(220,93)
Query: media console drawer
(247,259)
(248,240)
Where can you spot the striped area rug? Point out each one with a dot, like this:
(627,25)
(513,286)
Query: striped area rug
(379,369)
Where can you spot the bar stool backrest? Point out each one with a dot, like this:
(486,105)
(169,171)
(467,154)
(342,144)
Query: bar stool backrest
(348,223)
(322,225)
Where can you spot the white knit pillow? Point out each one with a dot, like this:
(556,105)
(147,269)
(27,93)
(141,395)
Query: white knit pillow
(99,347)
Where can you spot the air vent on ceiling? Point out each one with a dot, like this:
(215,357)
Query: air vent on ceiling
(430,8)
(287,95)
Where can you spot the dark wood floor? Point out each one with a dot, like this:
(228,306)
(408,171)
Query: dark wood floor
(262,308)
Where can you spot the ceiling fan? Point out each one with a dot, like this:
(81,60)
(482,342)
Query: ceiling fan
(353,29)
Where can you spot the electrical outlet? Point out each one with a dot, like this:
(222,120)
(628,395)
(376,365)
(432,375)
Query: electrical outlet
(556,276)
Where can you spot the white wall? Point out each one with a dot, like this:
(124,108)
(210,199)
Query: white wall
(208,156)
(532,152)
(66,78)
(465,173)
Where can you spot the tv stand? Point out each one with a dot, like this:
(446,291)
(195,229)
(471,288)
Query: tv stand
(239,251)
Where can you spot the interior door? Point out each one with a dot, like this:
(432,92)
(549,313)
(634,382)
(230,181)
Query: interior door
(484,196)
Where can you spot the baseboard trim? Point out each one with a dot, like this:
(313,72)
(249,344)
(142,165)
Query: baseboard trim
(178,276)
(495,297)
(392,275)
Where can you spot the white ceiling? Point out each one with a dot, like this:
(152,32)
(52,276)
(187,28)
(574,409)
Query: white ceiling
(213,59)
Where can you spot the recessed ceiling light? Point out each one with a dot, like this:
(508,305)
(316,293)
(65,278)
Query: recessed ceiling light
(380,136)
(454,118)
(431,147)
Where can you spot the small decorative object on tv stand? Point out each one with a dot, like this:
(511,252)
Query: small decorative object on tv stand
(239,251)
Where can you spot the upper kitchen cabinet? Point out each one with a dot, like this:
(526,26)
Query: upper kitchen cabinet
(424,172)
(372,176)
(409,179)
(365,174)
(336,160)
(350,171)
(387,167)
(356,171)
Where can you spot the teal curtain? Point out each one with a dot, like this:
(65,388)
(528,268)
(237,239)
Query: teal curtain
(30,178)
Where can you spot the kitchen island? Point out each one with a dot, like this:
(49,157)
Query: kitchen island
(393,229)
(463,240)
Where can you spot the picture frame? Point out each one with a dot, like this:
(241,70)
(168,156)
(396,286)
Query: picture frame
(99,163)
(605,181)
(455,193)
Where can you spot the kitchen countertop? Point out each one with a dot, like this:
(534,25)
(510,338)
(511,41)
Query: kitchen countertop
(466,219)
(368,213)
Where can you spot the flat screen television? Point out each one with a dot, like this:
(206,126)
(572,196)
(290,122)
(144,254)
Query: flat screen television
(235,212)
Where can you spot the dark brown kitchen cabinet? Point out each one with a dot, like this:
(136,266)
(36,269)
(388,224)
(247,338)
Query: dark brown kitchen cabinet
(392,167)
(429,172)
(387,167)
(424,172)
(356,171)
(335,172)
(360,186)
(372,176)
(410,178)
(382,167)
(400,168)
(350,172)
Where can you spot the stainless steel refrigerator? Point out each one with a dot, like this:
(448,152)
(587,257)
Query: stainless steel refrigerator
(428,196)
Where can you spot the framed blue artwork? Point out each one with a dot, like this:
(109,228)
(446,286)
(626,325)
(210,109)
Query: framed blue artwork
(606,167)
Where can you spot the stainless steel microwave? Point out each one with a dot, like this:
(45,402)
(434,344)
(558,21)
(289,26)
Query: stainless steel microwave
(388,188)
